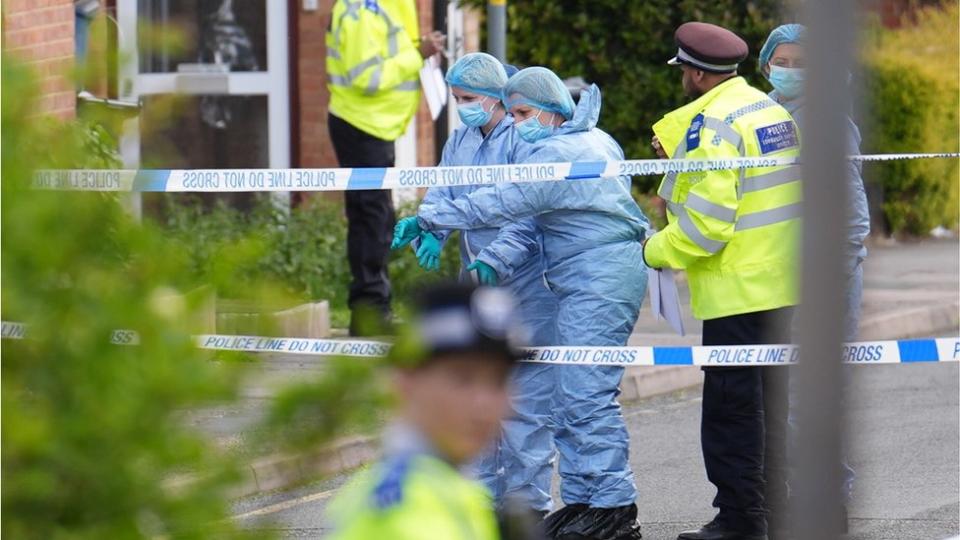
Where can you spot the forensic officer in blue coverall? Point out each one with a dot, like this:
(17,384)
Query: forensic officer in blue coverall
(592,231)
(510,256)
(782,62)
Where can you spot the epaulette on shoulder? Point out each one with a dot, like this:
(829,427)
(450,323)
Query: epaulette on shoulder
(388,491)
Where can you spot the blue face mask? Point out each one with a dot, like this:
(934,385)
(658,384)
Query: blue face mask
(532,130)
(473,114)
(788,82)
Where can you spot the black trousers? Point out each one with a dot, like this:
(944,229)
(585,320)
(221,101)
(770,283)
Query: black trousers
(744,425)
(370,217)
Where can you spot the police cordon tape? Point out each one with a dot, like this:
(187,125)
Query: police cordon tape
(339,179)
(867,352)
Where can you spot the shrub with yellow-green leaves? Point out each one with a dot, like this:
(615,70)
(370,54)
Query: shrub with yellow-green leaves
(913,105)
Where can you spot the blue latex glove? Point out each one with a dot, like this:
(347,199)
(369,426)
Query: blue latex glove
(406,230)
(485,272)
(428,254)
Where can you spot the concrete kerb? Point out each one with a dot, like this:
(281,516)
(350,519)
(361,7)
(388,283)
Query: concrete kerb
(277,472)
(912,322)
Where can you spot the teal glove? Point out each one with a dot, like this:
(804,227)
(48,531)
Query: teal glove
(429,252)
(406,230)
(485,272)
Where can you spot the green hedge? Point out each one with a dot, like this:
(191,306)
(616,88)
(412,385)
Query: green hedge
(912,91)
(303,251)
(623,46)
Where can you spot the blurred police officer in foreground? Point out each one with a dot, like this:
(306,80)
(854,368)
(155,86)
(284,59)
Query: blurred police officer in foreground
(735,232)
(452,368)
(373,64)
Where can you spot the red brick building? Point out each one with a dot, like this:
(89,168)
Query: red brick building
(42,32)
(258,102)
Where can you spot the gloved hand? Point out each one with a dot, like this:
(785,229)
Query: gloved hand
(485,272)
(429,252)
(406,230)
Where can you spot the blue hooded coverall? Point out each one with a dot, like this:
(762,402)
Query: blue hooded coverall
(514,251)
(858,220)
(592,231)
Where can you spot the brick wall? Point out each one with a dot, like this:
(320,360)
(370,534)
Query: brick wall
(315,149)
(426,151)
(41,32)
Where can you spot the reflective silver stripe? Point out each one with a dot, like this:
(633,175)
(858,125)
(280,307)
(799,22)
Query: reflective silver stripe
(765,103)
(742,175)
(723,130)
(392,31)
(392,46)
(352,10)
(374,83)
(707,208)
(333,53)
(771,179)
(769,217)
(407,86)
(692,232)
(666,188)
(358,69)
(670,180)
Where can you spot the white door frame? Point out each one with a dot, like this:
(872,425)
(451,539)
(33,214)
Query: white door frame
(272,83)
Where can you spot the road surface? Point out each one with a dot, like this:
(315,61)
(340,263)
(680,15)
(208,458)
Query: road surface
(905,446)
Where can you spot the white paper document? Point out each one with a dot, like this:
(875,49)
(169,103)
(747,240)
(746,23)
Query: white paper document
(664,298)
(434,87)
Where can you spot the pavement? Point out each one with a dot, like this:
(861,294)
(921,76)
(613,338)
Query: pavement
(911,290)
(903,444)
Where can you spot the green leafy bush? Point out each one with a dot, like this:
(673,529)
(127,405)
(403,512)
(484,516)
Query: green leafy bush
(623,46)
(90,434)
(913,103)
(94,439)
(303,250)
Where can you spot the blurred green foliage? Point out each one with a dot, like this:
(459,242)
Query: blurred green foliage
(95,443)
(303,250)
(90,436)
(913,105)
(623,47)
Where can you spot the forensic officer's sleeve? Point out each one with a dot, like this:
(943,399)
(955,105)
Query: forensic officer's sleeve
(513,246)
(858,212)
(497,205)
(439,195)
(704,222)
(490,206)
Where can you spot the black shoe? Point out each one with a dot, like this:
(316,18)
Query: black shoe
(716,531)
(582,522)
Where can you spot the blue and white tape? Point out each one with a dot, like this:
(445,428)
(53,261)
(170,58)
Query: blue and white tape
(337,179)
(860,353)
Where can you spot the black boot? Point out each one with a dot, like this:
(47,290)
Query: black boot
(582,522)
(716,530)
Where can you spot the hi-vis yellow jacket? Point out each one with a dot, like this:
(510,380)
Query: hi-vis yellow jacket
(373,65)
(410,498)
(735,232)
